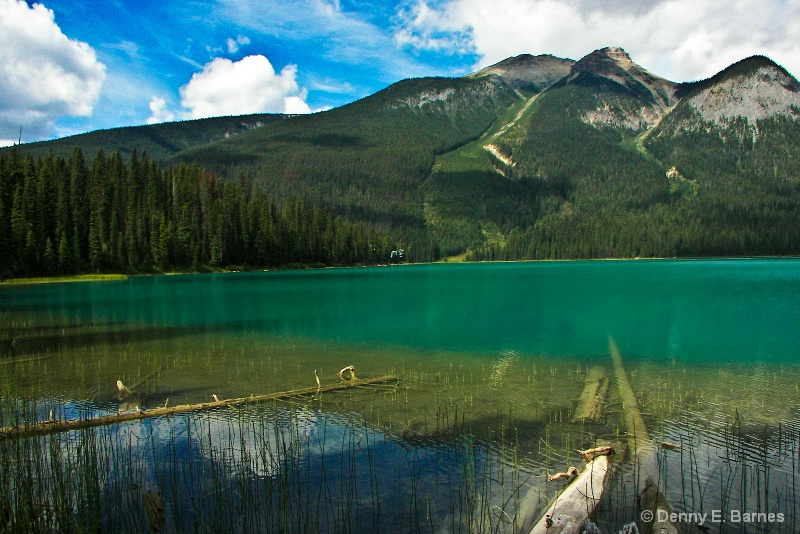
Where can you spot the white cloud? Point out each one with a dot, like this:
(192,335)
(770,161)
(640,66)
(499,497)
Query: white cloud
(679,39)
(160,112)
(235,44)
(44,75)
(340,36)
(249,85)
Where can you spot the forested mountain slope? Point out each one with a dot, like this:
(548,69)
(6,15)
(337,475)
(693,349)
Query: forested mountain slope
(159,141)
(534,157)
(621,163)
(368,160)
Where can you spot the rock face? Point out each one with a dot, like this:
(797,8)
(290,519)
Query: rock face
(525,71)
(754,89)
(626,95)
(615,65)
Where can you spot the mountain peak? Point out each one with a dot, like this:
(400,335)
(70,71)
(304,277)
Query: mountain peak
(605,61)
(754,88)
(614,53)
(615,65)
(534,73)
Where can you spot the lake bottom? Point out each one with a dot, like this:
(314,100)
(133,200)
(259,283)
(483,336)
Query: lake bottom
(464,442)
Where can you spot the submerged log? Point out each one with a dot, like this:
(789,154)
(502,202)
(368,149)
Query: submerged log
(590,404)
(645,452)
(49,427)
(577,502)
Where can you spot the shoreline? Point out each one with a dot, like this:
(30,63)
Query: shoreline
(110,277)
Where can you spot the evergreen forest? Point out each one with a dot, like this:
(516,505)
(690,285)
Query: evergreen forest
(65,216)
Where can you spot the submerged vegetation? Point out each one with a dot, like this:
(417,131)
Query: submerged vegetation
(464,443)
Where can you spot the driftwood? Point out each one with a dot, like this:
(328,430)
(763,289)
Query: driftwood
(577,502)
(49,427)
(123,391)
(571,473)
(349,369)
(590,404)
(645,452)
(591,454)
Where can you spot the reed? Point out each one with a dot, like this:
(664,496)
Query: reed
(456,448)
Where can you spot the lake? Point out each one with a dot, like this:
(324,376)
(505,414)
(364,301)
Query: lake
(492,360)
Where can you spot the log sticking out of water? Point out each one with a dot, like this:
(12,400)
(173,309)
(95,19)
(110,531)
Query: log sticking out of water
(590,404)
(645,452)
(577,502)
(49,427)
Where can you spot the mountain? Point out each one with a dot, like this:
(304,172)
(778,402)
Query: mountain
(533,157)
(527,72)
(160,141)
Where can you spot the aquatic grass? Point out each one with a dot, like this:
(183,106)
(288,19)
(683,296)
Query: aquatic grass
(470,453)
(63,279)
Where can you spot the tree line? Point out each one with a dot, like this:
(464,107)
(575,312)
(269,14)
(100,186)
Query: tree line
(66,216)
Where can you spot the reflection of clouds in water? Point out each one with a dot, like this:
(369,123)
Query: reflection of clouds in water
(257,440)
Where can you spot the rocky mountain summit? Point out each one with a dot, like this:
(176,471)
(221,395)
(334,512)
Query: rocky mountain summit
(615,65)
(755,88)
(533,73)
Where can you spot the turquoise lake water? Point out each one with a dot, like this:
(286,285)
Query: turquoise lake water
(492,359)
(720,311)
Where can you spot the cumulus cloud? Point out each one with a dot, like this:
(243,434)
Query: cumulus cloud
(44,75)
(249,85)
(160,112)
(678,39)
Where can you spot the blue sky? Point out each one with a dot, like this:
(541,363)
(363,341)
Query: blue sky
(70,66)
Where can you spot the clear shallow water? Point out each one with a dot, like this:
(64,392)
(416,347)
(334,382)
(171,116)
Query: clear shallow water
(494,354)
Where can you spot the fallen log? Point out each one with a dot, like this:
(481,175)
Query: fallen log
(591,401)
(645,453)
(50,427)
(577,502)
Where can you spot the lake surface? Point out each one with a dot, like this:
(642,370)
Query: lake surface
(493,359)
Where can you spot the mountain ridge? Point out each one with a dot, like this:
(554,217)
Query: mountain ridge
(542,157)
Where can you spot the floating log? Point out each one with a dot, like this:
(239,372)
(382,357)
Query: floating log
(577,502)
(644,450)
(590,404)
(49,427)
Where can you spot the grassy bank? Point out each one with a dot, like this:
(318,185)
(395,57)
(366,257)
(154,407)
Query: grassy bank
(62,279)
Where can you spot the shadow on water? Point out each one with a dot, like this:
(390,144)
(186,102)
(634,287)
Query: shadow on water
(53,341)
